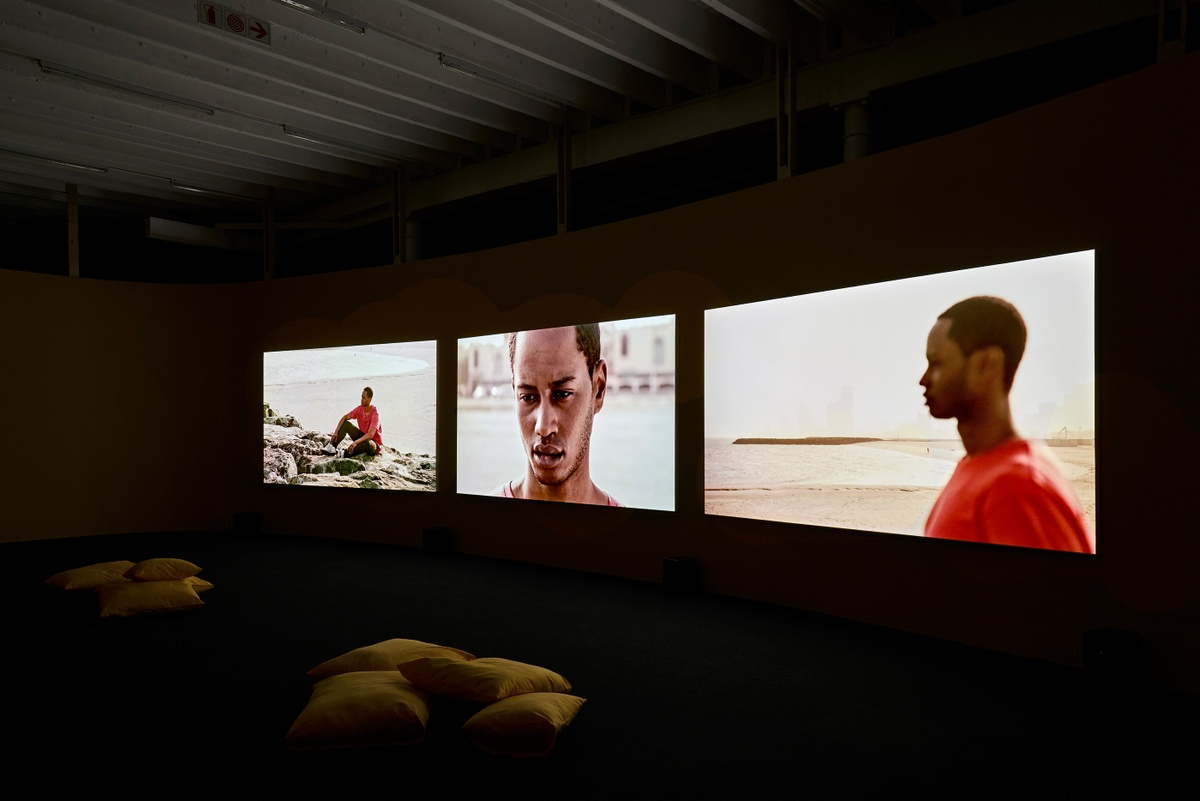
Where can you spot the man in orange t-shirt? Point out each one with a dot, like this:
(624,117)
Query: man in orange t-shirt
(1006,490)
(367,435)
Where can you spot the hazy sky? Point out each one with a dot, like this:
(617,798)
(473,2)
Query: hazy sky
(773,368)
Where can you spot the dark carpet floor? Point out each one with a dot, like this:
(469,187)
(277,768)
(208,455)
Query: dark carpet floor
(688,695)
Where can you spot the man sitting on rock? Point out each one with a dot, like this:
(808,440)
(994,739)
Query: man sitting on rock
(367,417)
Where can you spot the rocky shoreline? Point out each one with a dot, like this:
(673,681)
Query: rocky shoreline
(293,455)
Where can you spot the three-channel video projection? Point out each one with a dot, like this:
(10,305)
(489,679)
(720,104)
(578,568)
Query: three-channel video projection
(893,407)
(957,405)
(361,416)
(577,414)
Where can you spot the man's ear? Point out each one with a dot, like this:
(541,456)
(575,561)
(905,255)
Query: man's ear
(989,365)
(599,383)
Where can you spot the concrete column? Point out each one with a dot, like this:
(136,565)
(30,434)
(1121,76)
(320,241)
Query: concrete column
(785,103)
(73,230)
(399,217)
(856,130)
(1172,28)
(412,240)
(268,235)
(785,113)
(564,178)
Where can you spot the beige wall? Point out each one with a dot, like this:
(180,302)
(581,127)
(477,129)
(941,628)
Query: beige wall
(120,405)
(177,370)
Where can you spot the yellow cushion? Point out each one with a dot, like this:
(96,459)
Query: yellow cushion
(90,576)
(364,708)
(138,597)
(199,584)
(384,655)
(481,680)
(161,570)
(522,725)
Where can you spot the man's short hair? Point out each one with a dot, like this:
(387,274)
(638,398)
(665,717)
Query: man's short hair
(587,339)
(370,392)
(984,321)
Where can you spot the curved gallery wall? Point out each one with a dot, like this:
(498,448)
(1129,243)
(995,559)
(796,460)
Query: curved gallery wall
(1103,169)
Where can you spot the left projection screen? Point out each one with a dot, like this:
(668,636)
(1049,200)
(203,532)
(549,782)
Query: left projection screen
(308,393)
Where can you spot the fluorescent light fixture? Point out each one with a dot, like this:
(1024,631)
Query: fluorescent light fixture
(303,136)
(75,166)
(110,83)
(189,188)
(475,71)
(329,141)
(321,11)
(199,190)
(59,162)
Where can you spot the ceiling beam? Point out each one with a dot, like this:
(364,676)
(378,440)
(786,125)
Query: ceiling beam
(203,236)
(349,206)
(179,139)
(717,38)
(409,28)
(765,18)
(971,39)
(866,23)
(610,30)
(228,74)
(109,129)
(501,39)
(770,20)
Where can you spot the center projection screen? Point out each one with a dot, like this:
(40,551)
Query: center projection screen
(815,411)
(534,424)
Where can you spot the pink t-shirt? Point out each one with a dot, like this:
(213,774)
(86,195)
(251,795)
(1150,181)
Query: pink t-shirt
(506,491)
(1013,494)
(365,419)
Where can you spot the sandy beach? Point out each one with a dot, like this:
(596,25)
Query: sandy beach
(890,508)
(896,510)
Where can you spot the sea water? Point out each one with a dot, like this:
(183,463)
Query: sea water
(332,364)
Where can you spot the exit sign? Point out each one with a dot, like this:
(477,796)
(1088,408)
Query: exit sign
(235,22)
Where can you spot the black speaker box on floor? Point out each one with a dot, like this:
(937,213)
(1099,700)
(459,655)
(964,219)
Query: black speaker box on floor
(437,539)
(681,574)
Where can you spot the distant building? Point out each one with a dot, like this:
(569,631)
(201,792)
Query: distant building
(640,358)
(839,415)
(483,370)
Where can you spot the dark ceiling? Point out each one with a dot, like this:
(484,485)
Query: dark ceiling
(197,142)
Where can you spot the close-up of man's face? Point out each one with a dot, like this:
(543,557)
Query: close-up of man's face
(945,379)
(556,401)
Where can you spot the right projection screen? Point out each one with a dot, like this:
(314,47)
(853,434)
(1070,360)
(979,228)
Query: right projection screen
(851,408)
